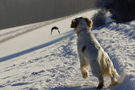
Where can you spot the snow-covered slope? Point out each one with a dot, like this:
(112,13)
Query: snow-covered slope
(38,61)
(36,38)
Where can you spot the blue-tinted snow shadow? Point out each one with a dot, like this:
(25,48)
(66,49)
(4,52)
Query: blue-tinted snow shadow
(73,88)
(66,34)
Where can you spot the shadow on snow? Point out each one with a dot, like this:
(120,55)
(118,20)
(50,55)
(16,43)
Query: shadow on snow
(67,34)
(73,88)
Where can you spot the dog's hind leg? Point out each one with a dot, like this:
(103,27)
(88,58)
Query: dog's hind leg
(100,85)
(96,72)
(100,78)
(101,81)
(113,81)
(112,73)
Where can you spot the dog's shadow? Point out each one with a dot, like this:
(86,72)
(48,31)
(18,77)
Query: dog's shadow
(73,88)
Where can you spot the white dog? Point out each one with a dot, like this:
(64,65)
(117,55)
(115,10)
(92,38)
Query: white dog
(91,53)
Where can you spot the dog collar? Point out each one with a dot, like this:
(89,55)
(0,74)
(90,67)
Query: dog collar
(82,30)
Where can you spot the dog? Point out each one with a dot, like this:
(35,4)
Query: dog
(92,54)
(55,28)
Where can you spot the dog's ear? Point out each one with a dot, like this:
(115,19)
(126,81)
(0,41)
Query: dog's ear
(89,22)
(74,23)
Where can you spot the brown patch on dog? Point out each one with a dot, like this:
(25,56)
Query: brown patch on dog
(74,23)
(83,48)
(89,22)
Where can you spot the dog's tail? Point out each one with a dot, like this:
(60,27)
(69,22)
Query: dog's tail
(122,77)
(114,71)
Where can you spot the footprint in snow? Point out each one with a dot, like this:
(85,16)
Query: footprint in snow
(36,73)
(20,84)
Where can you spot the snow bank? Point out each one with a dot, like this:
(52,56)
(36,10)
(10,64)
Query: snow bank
(118,40)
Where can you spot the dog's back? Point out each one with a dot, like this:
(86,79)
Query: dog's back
(94,51)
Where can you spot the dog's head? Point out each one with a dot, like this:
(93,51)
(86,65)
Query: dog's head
(81,22)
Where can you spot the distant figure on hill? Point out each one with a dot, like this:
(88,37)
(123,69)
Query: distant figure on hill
(55,28)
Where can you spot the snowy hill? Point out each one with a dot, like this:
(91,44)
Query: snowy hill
(37,61)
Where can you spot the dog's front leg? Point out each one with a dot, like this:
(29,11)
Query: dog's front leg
(84,73)
(83,64)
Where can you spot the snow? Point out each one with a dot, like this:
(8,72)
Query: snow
(37,61)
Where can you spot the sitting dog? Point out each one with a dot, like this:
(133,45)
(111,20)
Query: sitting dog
(91,53)
(55,28)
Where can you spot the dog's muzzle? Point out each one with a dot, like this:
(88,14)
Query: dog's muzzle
(74,23)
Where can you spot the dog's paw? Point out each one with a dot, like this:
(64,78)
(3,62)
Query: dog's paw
(100,85)
(113,84)
(85,74)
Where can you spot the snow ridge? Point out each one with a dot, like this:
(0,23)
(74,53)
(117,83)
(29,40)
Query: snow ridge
(118,42)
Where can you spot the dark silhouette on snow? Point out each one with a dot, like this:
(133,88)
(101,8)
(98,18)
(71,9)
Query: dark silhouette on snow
(55,28)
